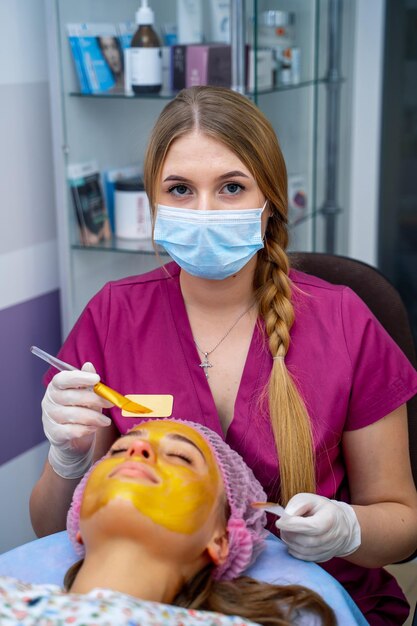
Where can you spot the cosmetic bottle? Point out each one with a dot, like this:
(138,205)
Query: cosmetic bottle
(190,21)
(145,53)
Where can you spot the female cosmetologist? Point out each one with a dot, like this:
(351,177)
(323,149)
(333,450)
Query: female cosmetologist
(279,362)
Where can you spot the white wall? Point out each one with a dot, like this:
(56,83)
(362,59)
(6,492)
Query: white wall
(16,482)
(27,221)
(366,127)
(28,255)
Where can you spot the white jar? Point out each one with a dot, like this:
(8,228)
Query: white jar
(276,29)
(131,210)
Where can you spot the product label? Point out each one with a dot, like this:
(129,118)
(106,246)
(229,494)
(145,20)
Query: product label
(146,66)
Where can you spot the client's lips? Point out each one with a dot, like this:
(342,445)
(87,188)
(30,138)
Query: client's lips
(133,469)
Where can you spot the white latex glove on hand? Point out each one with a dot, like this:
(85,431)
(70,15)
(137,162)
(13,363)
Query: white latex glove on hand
(318,529)
(71,414)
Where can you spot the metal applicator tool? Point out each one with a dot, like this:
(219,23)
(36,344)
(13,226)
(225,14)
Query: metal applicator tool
(271,507)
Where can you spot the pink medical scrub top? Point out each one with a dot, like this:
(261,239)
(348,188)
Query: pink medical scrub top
(349,371)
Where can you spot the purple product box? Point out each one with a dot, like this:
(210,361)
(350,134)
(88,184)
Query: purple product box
(209,64)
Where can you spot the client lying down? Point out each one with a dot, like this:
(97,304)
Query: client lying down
(165,526)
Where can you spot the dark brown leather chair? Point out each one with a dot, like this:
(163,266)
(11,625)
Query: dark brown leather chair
(385,303)
(381,297)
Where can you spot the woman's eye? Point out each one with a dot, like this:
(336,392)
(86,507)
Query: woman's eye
(179,190)
(232,188)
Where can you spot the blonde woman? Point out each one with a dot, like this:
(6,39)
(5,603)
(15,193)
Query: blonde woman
(296,373)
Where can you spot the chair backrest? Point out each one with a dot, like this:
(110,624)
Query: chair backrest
(382,299)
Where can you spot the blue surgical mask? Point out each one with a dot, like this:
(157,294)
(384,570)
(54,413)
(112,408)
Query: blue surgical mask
(209,244)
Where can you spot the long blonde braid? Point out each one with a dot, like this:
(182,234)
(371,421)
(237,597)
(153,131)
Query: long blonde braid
(290,421)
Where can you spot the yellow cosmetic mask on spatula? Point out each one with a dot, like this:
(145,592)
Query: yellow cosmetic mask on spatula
(100,389)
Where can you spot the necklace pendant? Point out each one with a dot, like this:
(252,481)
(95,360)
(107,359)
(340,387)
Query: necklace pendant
(205,364)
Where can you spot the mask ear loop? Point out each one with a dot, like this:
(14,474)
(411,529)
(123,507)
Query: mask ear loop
(272,216)
(269,217)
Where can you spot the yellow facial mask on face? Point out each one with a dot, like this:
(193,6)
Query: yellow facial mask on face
(163,487)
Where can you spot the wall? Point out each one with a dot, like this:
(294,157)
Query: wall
(368,42)
(29,297)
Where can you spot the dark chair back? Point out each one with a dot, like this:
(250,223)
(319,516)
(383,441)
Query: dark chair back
(384,301)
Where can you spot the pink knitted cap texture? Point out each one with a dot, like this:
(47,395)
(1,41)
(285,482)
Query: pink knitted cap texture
(246,525)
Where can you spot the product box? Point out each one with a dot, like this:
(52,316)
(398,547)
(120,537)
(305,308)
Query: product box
(190,21)
(209,64)
(169,32)
(167,77)
(178,61)
(73,33)
(297,198)
(111,177)
(220,21)
(100,54)
(126,30)
(265,66)
(89,204)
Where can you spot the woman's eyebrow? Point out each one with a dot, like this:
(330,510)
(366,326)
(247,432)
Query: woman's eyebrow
(133,433)
(177,437)
(233,174)
(176,178)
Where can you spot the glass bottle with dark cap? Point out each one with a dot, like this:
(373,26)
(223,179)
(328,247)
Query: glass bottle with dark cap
(145,54)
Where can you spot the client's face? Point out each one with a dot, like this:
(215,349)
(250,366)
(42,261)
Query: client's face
(166,470)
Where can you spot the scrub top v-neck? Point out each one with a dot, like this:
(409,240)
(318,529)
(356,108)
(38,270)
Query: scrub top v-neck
(257,364)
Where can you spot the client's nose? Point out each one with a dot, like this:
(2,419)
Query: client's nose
(141,448)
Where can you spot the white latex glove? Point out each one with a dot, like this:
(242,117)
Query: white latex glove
(318,529)
(71,414)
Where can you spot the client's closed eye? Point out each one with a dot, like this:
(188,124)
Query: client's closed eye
(114,451)
(182,456)
(174,454)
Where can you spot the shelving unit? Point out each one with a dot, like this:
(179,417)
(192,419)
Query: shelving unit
(113,128)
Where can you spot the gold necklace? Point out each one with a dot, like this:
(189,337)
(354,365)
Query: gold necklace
(205,364)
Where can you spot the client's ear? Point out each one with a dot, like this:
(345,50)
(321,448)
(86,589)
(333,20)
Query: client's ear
(79,538)
(218,548)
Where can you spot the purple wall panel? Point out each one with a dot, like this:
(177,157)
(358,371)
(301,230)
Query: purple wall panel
(35,322)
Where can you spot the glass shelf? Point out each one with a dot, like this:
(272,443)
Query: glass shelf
(171,94)
(305,218)
(120,95)
(117,244)
(145,246)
